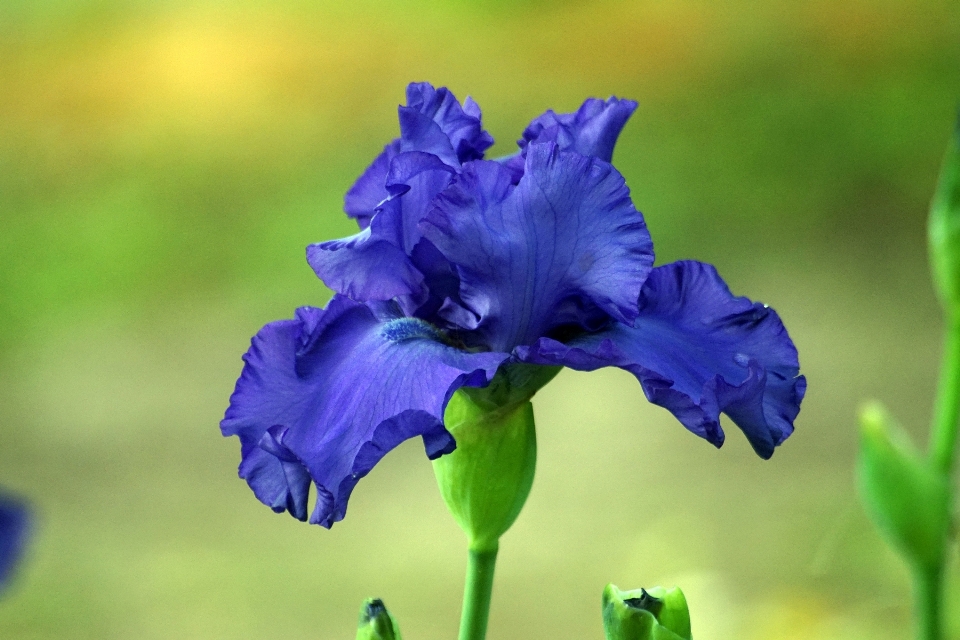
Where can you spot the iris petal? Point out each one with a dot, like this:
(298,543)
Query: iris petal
(592,130)
(365,266)
(324,396)
(378,262)
(393,195)
(462,137)
(14,524)
(698,351)
(366,194)
(534,256)
(432,122)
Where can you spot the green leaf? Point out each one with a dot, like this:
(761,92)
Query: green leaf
(641,614)
(943,228)
(907,499)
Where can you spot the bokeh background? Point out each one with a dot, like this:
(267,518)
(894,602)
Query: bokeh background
(163,166)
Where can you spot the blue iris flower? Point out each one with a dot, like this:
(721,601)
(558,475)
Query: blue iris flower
(14,525)
(464,266)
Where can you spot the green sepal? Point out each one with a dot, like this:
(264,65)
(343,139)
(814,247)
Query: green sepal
(943,229)
(908,500)
(376,623)
(486,480)
(645,614)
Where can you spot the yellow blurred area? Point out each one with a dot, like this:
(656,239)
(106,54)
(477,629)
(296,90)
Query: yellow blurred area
(204,67)
(163,166)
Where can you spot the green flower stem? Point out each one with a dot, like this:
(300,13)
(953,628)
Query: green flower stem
(929,595)
(943,436)
(477,593)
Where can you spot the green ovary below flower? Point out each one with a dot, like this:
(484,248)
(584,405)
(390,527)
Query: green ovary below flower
(486,480)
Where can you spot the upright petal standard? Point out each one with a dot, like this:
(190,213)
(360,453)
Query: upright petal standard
(565,239)
(465,270)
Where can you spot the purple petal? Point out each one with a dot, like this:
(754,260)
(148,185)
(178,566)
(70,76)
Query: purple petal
(365,267)
(514,165)
(379,262)
(366,194)
(698,351)
(324,396)
(418,132)
(591,131)
(394,194)
(420,188)
(442,287)
(14,526)
(433,121)
(548,252)
(408,165)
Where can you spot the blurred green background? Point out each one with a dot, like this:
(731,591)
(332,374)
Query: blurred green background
(163,165)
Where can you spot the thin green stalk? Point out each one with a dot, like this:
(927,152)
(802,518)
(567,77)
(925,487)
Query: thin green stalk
(943,436)
(928,585)
(476,593)
(928,581)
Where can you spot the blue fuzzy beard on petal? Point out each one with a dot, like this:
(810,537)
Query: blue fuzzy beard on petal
(403,329)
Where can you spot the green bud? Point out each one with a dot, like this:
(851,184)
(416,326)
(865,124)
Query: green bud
(943,228)
(641,614)
(376,623)
(487,479)
(907,499)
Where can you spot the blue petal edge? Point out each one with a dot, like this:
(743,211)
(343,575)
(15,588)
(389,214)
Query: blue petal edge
(324,396)
(697,351)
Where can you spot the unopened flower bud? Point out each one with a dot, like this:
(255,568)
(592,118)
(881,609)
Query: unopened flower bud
(907,499)
(645,614)
(376,623)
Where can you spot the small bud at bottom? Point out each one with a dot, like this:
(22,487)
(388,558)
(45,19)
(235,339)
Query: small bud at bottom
(654,614)
(376,623)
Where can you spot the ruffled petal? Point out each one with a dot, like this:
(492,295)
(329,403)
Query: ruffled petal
(393,195)
(324,396)
(365,266)
(408,165)
(366,194)
(565,241)
(419,187)
(379,262)
(14,525)
(698,350)
(591,131)
(433,121)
